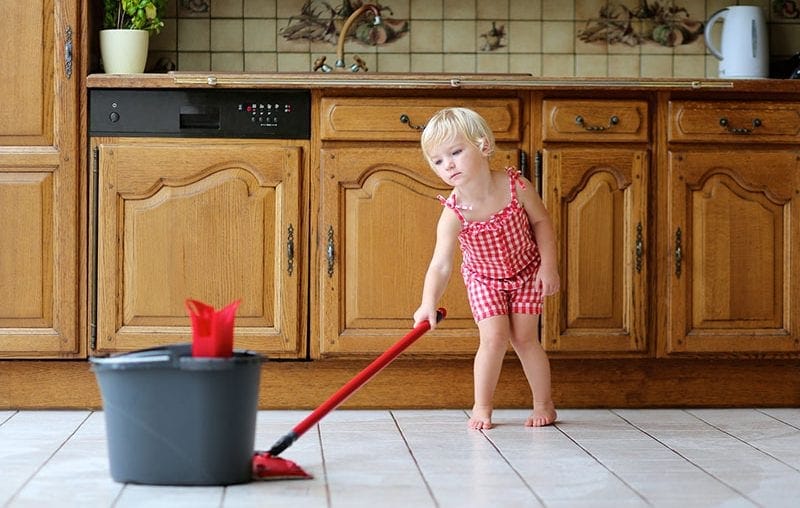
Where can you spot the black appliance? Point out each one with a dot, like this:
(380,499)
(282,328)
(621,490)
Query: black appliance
(228,113)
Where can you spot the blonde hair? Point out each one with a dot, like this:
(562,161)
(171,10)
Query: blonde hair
(449,123)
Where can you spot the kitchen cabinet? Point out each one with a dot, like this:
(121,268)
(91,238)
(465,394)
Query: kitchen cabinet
(217,220)
(40,212)
(732,226)
(376,226)
(595,185)
(715,161)
(208,219)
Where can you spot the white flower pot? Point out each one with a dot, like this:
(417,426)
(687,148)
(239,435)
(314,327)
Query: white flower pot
(124,51)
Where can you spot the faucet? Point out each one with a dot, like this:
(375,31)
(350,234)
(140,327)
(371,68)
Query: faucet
(319,63)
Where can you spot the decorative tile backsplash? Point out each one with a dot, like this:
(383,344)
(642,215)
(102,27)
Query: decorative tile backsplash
(581,38)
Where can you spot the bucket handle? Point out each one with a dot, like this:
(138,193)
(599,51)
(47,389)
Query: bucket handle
(156,357)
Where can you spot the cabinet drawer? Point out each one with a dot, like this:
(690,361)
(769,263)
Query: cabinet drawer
(402,119)
(594,120)
(734,121)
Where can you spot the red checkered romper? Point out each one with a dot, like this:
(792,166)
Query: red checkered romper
(500,259)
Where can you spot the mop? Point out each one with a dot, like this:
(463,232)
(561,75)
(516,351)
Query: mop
(268,466)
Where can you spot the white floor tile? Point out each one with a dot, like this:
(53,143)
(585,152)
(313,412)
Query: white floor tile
(28,440)
(77,475)
(135,496)
(790,416)
(593,458)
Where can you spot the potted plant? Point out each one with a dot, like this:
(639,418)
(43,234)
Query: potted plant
(127,25)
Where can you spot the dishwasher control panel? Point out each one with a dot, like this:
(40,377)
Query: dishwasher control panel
(229,113)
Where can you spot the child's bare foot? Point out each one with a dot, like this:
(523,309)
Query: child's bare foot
(543,414)
(481,418)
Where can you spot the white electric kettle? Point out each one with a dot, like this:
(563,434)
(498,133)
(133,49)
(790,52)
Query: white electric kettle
(744,51)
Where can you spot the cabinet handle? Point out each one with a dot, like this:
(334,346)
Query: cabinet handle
(614,120)
(523,164)
(290,249)
(639,247)
(329,252)
(678,253)
(404,118)
(68,52)
(726,124)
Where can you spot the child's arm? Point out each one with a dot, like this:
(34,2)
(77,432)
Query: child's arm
(545,237)
(440,267)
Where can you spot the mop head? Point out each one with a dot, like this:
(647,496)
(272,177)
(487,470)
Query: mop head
(267,467)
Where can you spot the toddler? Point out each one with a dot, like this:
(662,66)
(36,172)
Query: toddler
(508,257)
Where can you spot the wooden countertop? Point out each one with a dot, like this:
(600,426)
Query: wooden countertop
(341,80)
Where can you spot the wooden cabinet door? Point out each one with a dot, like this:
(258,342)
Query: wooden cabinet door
(375,233)
(214,221)
(39,209)
(598,201)
(732,261)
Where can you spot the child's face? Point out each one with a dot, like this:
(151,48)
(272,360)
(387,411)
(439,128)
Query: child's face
(456,160)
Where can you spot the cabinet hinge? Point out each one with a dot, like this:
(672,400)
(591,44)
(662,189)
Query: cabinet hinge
(537,170)
(523,164)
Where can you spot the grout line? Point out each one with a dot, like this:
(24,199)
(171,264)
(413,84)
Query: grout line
(124,486)
(414,458)
(324,466)
(613,473)
(687,459)
(734,436)
(44,463)
(10,416)
(510,465)
(777,419)
(516,471)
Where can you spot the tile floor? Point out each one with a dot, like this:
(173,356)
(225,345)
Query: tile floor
(409,458)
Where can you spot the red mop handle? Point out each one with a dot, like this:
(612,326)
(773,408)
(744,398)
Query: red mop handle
(365,375)
(354,384)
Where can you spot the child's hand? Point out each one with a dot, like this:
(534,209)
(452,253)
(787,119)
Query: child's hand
(549,280)
(425,313)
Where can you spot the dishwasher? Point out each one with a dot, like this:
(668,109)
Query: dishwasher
(200,194)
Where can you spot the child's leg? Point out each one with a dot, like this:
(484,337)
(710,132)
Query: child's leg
(494,334)
(525,340)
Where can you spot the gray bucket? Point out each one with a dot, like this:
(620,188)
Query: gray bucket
(172,419)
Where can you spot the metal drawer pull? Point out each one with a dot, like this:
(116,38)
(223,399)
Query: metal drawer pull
(678,253)
(329,253)
(290,250)
(739,130)
(639,247)
(614,120)
(406,120)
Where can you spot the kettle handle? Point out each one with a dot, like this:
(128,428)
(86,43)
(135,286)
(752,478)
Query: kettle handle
(707,31)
